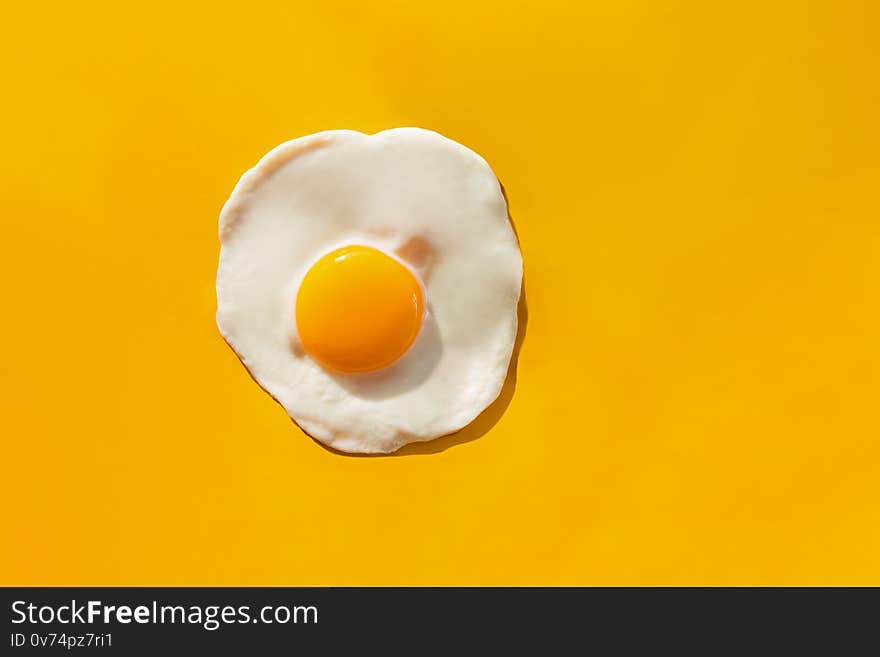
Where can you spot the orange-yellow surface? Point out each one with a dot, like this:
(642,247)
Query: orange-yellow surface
(697,191)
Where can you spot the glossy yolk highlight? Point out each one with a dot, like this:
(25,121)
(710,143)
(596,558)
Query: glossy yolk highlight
(358,310)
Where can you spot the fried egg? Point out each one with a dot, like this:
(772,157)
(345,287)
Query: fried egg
(369,283)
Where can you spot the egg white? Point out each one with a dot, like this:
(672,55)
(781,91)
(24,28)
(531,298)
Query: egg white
(396,188)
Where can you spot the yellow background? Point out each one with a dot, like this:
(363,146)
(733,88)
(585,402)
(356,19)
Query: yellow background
(697,191)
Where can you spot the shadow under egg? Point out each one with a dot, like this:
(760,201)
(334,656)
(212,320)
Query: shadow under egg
(491,415)
(433,348)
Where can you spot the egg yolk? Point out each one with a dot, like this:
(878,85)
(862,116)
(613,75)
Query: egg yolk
(358,310)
